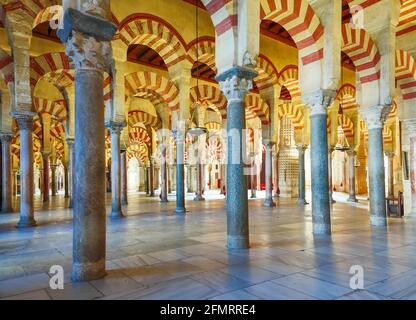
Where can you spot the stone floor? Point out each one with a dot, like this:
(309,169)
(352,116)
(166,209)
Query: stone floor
(153,254)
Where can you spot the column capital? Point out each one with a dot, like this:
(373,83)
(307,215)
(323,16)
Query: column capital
(6,138)
(301,147)
(116,127)
(351,152)
(70,141)
(390,154)
(24,119)
(235,82)
(269,143)
(319,101)
(375,116)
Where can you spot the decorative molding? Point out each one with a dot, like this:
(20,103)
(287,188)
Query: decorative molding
(236,82)
(6,138)
(375,116)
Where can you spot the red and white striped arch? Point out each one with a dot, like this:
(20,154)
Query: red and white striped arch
(257,107)
(346,97)
(6,67)
(139,135)
(49,63)
(48,13)
(204,48)
(213,126)
(289,78)
(301,22)
(407,19)
(144,80)
(347,125)
(155,33)
(57,130)
(294,112)
(406,74)
(361,49)
(137,116)
(209,95)
(222,14)
(268,76)
(56,108)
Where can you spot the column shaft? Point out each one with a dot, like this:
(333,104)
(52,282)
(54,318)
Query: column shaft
(116,211)
(268,202)
(54,180)
(6,203)
(180,174)
(301,176)
(151,179)
(330,185)
(164,176)
(199,181)
(351,166)
(27,213)
(45,158)
(66,181)
(124,197)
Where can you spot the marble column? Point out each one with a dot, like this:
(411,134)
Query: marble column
(115,131)
(92,55)
(374,118)
(46,166)
(199,182)
(180,172)
(6,173)
(27,214)
(351,169)
(253,178)
(15,186)
(164,176)
(66,180)
(318,103)
(390,156)
(124,196)
(71,174)
(54,179)
(301,175)
(330,185)
(169,179)
(151,178)
(276,177)
(411,128)
(235,83)
(268,202)
(146,179)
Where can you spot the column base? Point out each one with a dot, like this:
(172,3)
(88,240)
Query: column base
(117,214)
(302,202)
(237,242)
(6,210)
(253,196)
(88,271)
(321,229)
(199,198)
(276,195)
(26,223)
(378,221)
(180,211)
(124,203)
(332,201)
(269,203)
(352,199)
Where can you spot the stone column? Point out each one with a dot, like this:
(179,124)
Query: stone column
(54,179)
(390,156)
(6,162)
(71,174)
(45,158)
(253,178)
(318,103)
(199,182)
(115,130)
(330,185)
(235,83)
(411,127)
(268,202)
(169,179)
(124,197)
(276,178)
(151,178)
(27,214)
(180,173)
(15,183)
(66,180)
(351,165)
(164,176)
(374,118)
(146,179)
(301,175)
(92,55)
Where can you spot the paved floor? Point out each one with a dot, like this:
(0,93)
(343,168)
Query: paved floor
(153,254)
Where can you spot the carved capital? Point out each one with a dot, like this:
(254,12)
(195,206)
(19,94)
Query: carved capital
(6,138)
(390,155)
(88,53)
(351,152)
(319,101)
(116,127)
(375,116)
(301,148)
(24,120)
(236,82)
